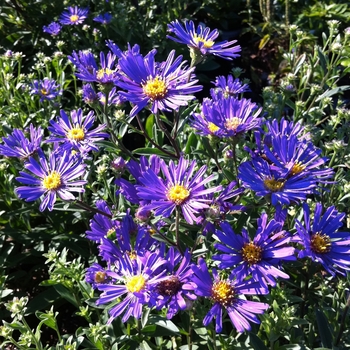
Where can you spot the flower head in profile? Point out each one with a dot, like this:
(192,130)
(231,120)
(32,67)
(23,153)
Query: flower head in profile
(182,188)
(226,294)
(202,40)
(56,177)
(73,15)
(89,71)
(130,283)
(102,225)
(53,28)
(260,257)
(47,89)
(18,145)
(226,117)
(228,86)
(162,86)
(104,18)
(321,240)
(75,132)
(173,291)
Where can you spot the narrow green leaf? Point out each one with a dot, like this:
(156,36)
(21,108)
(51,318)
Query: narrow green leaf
(264,41)
(66,294)
(149,126)
(332,92)
(324,329)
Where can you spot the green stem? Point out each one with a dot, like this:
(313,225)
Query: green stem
(177,230)
(91,209)
(342,322)
(144,133)
(37,343)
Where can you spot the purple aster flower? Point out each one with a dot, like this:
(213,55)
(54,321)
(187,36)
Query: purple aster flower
(180,189)
(96,275)
(104,18)
(18,145)
(53,28)
(136,169)
(47,89)
(322,241)
(176,290)
(226,117)
(165,86)
(296,157)
(102,225)
(74,15)
(261,257)
(49,179)
(202,40)
(75,132)
(132,282)
(225,294)
(88,69)
(258,176)
(89,95)
(229,86)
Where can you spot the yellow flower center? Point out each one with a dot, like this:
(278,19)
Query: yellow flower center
(274,185)
(232,123)
(52,181)
(212,127)
(76,134)
(178,194)
(100,276)
(223,293)
(155,88)
(101,72)
(251,253)
(320,243)
(44,92)
(74,18)
(206,43)
(135,283)
(132,255)
(297,168)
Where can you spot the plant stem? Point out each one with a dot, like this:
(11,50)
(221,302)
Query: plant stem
(342,322)
(91,209)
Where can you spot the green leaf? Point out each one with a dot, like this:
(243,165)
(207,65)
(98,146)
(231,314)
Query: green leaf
(323,60)
(256,343)
(164,323)
(191,143)
(145,151)
(264,41)
(149,126)
(66,294)
(324,329)
(332,92)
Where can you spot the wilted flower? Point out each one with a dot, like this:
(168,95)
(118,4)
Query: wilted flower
(53,28)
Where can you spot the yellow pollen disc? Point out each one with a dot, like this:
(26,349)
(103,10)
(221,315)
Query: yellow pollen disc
(76,134)
(178,194)
(152,231)
(199,39)
(135,283)
(212,127)
(320,243)
(44,92)
(223,293)
(74,18)
(155,89)
(101,72)
(274,185)
(52,181)
(100,276)
(251,253)
(132,255)
(232,123)
(297,168)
